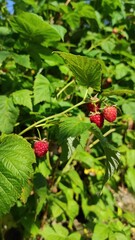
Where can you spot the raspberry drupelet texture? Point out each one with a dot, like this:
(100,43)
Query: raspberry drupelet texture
(41,148)
(110,113)
(98,119)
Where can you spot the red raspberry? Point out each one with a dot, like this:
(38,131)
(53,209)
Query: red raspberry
(98,119)
(41,148)
(93,107)
(94,104)
(110,113)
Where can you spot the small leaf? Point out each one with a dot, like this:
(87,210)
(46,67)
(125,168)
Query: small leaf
(16,158)
(86,70)
(74,176)
(108,45)
(74,236)
(121,71)
(3,56)
(9,114)
(129,108)
(23,97)
(49,233)
(23,60)
(60,229)
(4,31)
(101,231)
(61,30)
(42,89)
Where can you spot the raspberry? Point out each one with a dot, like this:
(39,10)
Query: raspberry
(41,148)
(110,113)
(98,119)
(93,107)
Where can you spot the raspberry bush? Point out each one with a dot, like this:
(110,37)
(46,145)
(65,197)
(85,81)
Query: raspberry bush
(67,120)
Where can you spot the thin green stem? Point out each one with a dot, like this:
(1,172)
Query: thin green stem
(99,43)
(64,88)
(105,135)
(54,116)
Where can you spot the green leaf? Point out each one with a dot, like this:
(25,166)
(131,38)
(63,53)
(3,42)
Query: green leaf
(73,126)
(86,11)
(112,155)
(86,70)
(130,178)
(9,114)
(34,28)
(16,158)
(23,97)
(84,157)
(101,231)
(49,233)
(108,45)
(61,30)
(129,108)
(121,71)
(3,56)
(74,176)
(74,236)
(60,229)
(23,60)
(4,31)
(42,89)
(72,209)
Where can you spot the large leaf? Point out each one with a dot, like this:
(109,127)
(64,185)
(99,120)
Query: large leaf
(34,28)
(73,127)
(86,70)
(23,97)
(16,158)
(42,89)
(9,114)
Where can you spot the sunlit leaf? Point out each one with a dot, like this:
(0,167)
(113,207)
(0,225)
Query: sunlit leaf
(86,70)
(16,158)
(9,114)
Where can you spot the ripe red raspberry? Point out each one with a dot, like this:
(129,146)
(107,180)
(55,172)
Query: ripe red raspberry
(41,148)
(98,119)
(110,113)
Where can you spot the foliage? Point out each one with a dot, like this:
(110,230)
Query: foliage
(55,56)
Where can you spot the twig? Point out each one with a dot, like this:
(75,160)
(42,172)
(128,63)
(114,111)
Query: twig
(105,135)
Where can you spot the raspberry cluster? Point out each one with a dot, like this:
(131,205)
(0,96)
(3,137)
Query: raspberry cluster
(97,115)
